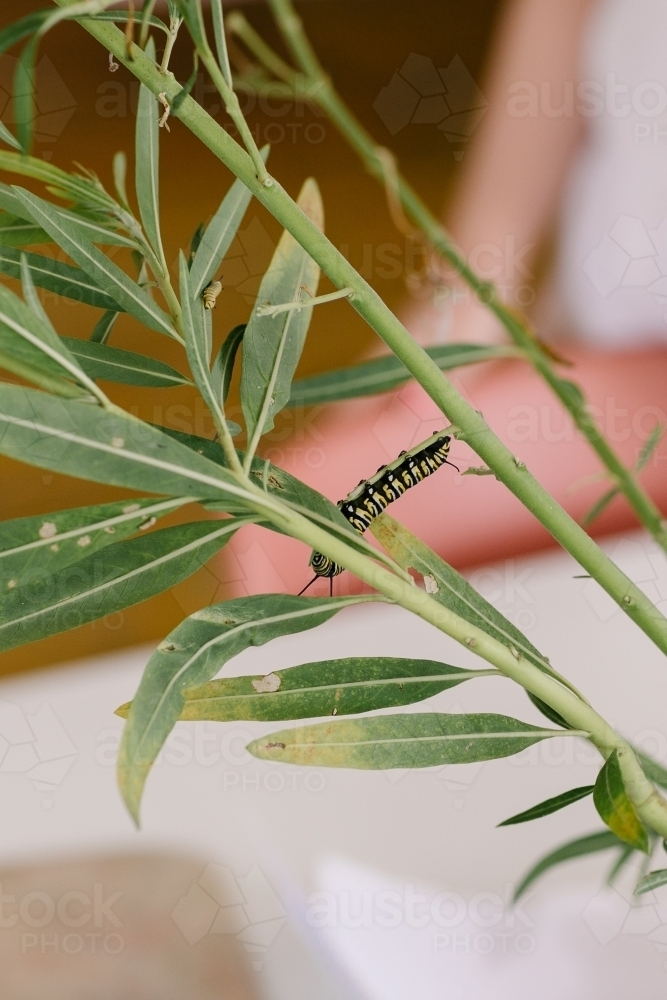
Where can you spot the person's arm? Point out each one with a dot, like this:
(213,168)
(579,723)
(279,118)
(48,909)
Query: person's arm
(517,160)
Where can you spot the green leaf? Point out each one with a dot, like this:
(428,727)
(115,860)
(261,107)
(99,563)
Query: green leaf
(56,276)
(187,86)
(6,136)
(191,655)
(550,805)
(26,336)
(107,275)
(615,807)
(548,711)
(452,590)
(388,741)
(47,542)
(22,28)
(651,881)
(578,848)
(572,393)
(115,365)
(272,345)
(600,505)
(196,341)
(649,446)
(219,234)
(223,366)
(24,94)
(654,771)
(96,230)
(220,40)
(122,16)
(124,574)
(624,855)
(192,13)
(383,374)
(328,687)
(78,439)
(147,163)
(16,232)
(79,189)
(103,327)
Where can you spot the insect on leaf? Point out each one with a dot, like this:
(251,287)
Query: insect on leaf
(219,234)
(328,687)
(615,807)
(191,655)
(550,805)
(578,848)
(272,345)
(196,339)
(124,574)
(388,741)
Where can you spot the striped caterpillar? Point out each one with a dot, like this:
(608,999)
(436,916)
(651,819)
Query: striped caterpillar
(372,496)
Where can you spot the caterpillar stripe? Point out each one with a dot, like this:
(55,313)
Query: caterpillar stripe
(372,496)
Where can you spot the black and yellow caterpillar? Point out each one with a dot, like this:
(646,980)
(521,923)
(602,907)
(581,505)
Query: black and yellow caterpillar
(372,496)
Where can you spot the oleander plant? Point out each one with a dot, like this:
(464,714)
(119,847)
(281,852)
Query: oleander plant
(65,568)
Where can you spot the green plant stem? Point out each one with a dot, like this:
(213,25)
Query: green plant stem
(324,94)
(370,306)
(174,25)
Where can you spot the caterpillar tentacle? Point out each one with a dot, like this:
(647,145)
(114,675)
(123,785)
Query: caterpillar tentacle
(372,496)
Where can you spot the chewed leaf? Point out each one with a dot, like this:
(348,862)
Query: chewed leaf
(389,741)
(615,807)
(328,687)
(122,575)
(272,345)
(191,655)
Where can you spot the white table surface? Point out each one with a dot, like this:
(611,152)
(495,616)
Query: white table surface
(320,838)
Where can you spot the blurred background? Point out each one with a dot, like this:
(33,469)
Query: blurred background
(86,113)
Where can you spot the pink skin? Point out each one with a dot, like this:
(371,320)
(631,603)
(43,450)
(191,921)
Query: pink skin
(509,190)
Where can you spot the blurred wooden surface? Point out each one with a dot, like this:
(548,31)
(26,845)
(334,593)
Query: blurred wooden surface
(87,114)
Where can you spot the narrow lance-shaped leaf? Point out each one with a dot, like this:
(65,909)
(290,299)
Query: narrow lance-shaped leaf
(46,543)
(383,374)
(192,654)
(126,367)
(24,94)
(615,807)
(147,163)
(649,447)
(6,136)
(328,687)
(388,741)
(450,589)
(93,228)
(16,232)
(81,190)
(550,805)
(56,276)
(196,342)
(578,848)
(219,234)
(272,345)
(81,440)
(122,575)
(651,881)
(123,291)
(223,366)
(103,327)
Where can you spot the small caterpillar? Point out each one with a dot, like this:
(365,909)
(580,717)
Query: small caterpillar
(210,294)
(368,500)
